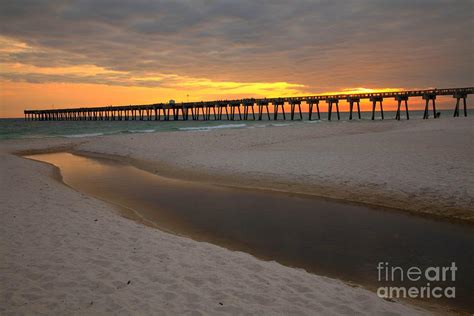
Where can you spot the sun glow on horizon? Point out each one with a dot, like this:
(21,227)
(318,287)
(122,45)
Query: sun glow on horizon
(34,86)
(25,95)
(46,86)
(362,90)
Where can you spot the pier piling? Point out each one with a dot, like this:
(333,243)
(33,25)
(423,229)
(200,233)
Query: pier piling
(276,105)
(293,104)
(311,103)
(458,97)
(374,100)
(400,99)
(429,97)
(351,101)
(261,104)
(248,105)
(330,103)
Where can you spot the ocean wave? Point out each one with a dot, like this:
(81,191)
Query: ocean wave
(33,136)
(208,128)
(83,135)
(141,131)
(280,124)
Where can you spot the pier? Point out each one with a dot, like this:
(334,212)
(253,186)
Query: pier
(232,109)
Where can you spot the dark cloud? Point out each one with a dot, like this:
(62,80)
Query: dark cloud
(108,79)
(322,44)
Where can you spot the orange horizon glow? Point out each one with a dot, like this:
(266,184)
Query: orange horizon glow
(15,97)
(47,91)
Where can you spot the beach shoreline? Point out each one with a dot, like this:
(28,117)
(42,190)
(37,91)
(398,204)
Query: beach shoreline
(432,196)
(382,201)
(130,149)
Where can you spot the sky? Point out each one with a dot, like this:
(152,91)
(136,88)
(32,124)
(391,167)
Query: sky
(60,53)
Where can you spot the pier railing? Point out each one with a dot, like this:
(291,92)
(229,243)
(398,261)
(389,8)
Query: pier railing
(229,109)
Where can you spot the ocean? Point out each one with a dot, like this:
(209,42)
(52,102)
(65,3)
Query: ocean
(18,128)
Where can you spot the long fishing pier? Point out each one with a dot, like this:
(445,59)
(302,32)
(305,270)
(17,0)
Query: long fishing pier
(245,108)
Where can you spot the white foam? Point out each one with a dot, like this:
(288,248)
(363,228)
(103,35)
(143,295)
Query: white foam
(142,130)
(83,135)
(280,124)
(208,128)
(37,136)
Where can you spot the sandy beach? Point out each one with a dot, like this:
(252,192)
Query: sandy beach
(424,167)
(236,157)
(63,252)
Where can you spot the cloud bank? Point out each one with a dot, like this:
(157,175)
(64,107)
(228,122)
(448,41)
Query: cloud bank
(315,45)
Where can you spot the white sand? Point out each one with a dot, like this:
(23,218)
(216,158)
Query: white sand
(56,258)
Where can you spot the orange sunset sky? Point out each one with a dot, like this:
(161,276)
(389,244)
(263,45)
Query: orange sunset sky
(57,54)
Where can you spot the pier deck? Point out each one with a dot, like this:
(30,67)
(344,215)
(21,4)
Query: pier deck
(202,110)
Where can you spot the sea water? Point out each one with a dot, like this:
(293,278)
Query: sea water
(19,128)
